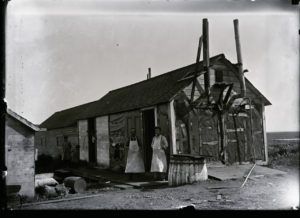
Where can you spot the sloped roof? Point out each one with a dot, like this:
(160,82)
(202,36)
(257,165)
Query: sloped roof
(23,120)
(153,91)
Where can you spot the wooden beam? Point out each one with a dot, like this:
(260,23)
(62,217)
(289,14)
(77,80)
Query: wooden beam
(199,87)
(239,57)
(264,133)
(237,139)
(210,143)
(246,141)
(196,68)
(199,50)
(205,32)
(199,73)
(239,115)
(233,130)
(173,127)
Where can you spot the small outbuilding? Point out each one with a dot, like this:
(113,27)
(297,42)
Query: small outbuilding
(20,153)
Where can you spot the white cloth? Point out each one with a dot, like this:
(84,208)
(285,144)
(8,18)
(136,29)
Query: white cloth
(135,163)
(159,160)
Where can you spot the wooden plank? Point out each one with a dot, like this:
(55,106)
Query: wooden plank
(239,115)
(246,141)
(210,143)
(233,130)
(257,132)
(171,112)
(264,133)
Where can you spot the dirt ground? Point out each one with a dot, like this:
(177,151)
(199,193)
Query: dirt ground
(261,193)
(267,193)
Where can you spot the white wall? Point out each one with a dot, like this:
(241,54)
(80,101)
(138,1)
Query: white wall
(102,141)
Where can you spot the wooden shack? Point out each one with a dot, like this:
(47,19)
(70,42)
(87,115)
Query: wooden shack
(20,152)
(101,128)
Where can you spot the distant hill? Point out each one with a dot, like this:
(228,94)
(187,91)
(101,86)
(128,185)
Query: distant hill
(282,137)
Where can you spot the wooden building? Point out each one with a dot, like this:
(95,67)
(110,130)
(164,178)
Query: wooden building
(100,129)
(20,152)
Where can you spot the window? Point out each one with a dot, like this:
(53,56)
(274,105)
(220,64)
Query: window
(219,76)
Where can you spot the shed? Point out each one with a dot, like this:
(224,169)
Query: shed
(20,152)
(164,101)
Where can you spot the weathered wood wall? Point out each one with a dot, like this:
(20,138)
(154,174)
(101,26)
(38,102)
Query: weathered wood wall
(197,132)
(164,121)
(51,142)
(119,133)
(102,144)
(83,140)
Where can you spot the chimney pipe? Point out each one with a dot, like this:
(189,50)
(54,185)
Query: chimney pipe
(205,33)
(239,57)
(149,73)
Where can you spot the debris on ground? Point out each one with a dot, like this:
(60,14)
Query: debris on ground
(44,176)
(190,207)
(62,190)
(45,181)
(248,176)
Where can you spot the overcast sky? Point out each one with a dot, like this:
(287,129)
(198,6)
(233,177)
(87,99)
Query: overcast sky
(62,53)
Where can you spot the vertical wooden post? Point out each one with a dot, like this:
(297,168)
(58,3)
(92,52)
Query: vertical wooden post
(196,68)
(246,141)
(3,105)
(172,119)
(155,116)
(205,33)
(222,135)
(264,133)
(237,139)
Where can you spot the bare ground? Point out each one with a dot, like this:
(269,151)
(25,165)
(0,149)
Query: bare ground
(262,193)
(268,192)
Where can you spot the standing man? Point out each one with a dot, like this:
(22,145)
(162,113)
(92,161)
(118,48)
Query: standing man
(135,162)
(159,161)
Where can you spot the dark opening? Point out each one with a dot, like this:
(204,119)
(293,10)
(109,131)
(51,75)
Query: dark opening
(92,140)
(149,132)
(219,76)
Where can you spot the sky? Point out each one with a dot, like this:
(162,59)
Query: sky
(63,53)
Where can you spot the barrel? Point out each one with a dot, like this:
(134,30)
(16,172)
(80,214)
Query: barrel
(170,173)
(182,172)
(178,179)
(197,170)
(185,169)
(174,172)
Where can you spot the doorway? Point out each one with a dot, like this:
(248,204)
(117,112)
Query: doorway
(92,141)
(148,117)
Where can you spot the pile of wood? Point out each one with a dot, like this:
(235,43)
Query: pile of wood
(76,184)
(48,187)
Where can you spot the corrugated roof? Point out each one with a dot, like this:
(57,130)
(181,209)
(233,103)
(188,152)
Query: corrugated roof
(157,90)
